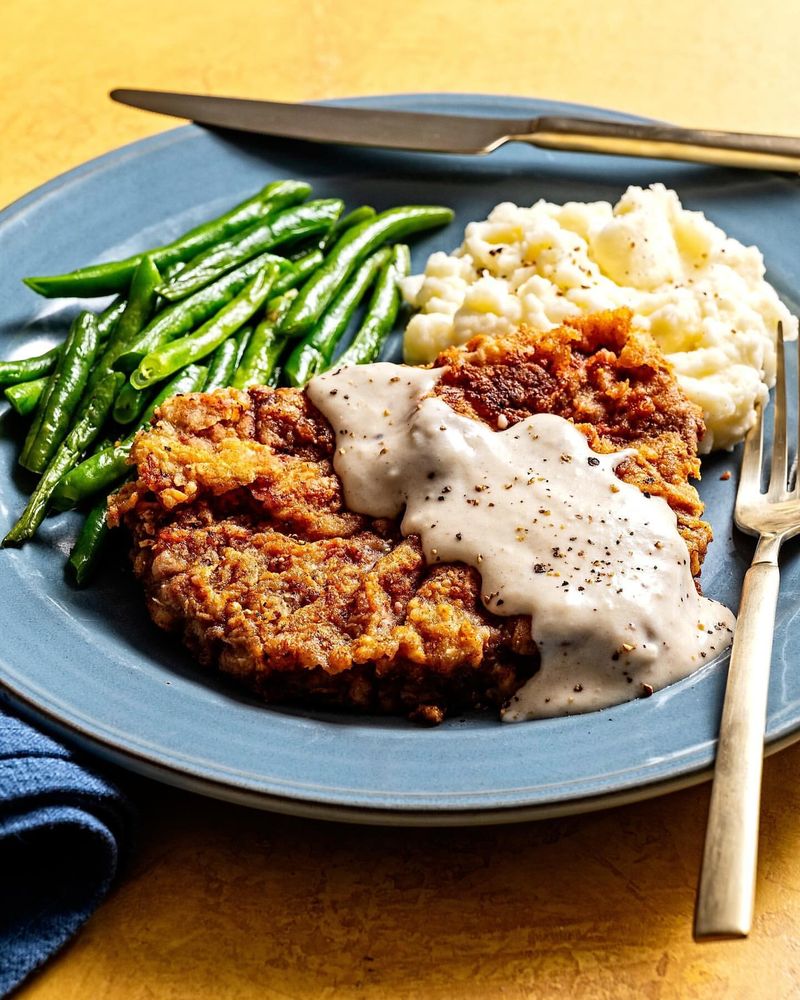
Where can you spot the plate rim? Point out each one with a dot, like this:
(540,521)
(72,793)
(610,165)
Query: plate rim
(364,815)
(298,803)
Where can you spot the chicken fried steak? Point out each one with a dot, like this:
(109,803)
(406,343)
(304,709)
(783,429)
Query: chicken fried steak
(245,548)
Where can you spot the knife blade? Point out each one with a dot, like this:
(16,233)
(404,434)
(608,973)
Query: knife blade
(464,134)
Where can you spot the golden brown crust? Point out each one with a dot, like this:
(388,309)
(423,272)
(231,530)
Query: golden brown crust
(244,545)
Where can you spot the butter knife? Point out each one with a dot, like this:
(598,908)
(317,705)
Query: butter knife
(435,133)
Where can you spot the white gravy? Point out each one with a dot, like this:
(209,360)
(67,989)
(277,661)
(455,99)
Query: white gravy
(598,565)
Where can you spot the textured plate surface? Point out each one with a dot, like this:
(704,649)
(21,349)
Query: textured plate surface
(90,664)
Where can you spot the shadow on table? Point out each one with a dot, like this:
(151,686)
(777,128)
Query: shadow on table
(224,902)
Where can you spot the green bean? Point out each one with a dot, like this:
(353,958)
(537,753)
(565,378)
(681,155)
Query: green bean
(265,346)
(105,468)
(168,273)
(242,339)
(334,231)
(100,471)
(314,351)
(278,305)
(89,420)
(297,272)
(381,312)
(107,319)
(128,404)
(141,302)
(292,224)
(25,396)
(67,384)
(138,310)
(350,249)
(28,369)
(132,407)
(39,410)
(115,276)
(224,360)
(264,365)
(184,316)
(89,544)
(354,218)
(168,359)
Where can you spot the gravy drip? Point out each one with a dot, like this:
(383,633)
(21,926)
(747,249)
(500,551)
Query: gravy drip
(598,565)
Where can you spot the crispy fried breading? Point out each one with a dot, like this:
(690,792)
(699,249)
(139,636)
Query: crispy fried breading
(244,545)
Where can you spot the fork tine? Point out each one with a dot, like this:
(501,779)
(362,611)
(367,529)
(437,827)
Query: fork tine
(779,461)
(750,473)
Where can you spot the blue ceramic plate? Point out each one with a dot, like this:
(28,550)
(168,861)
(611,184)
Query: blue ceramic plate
(91,666)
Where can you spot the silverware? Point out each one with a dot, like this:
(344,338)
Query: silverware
(727,883)
(463,134)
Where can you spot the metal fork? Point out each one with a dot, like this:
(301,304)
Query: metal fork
(727,883)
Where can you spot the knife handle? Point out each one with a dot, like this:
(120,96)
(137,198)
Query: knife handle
(667,142)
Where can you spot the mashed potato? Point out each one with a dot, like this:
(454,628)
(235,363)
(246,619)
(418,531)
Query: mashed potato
(701,294)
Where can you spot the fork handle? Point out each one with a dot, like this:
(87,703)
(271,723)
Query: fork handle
(727,883)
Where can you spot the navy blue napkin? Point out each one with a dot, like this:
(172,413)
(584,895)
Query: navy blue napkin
(63,834)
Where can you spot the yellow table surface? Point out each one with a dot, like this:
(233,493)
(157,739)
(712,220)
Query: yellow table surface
(227,903)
